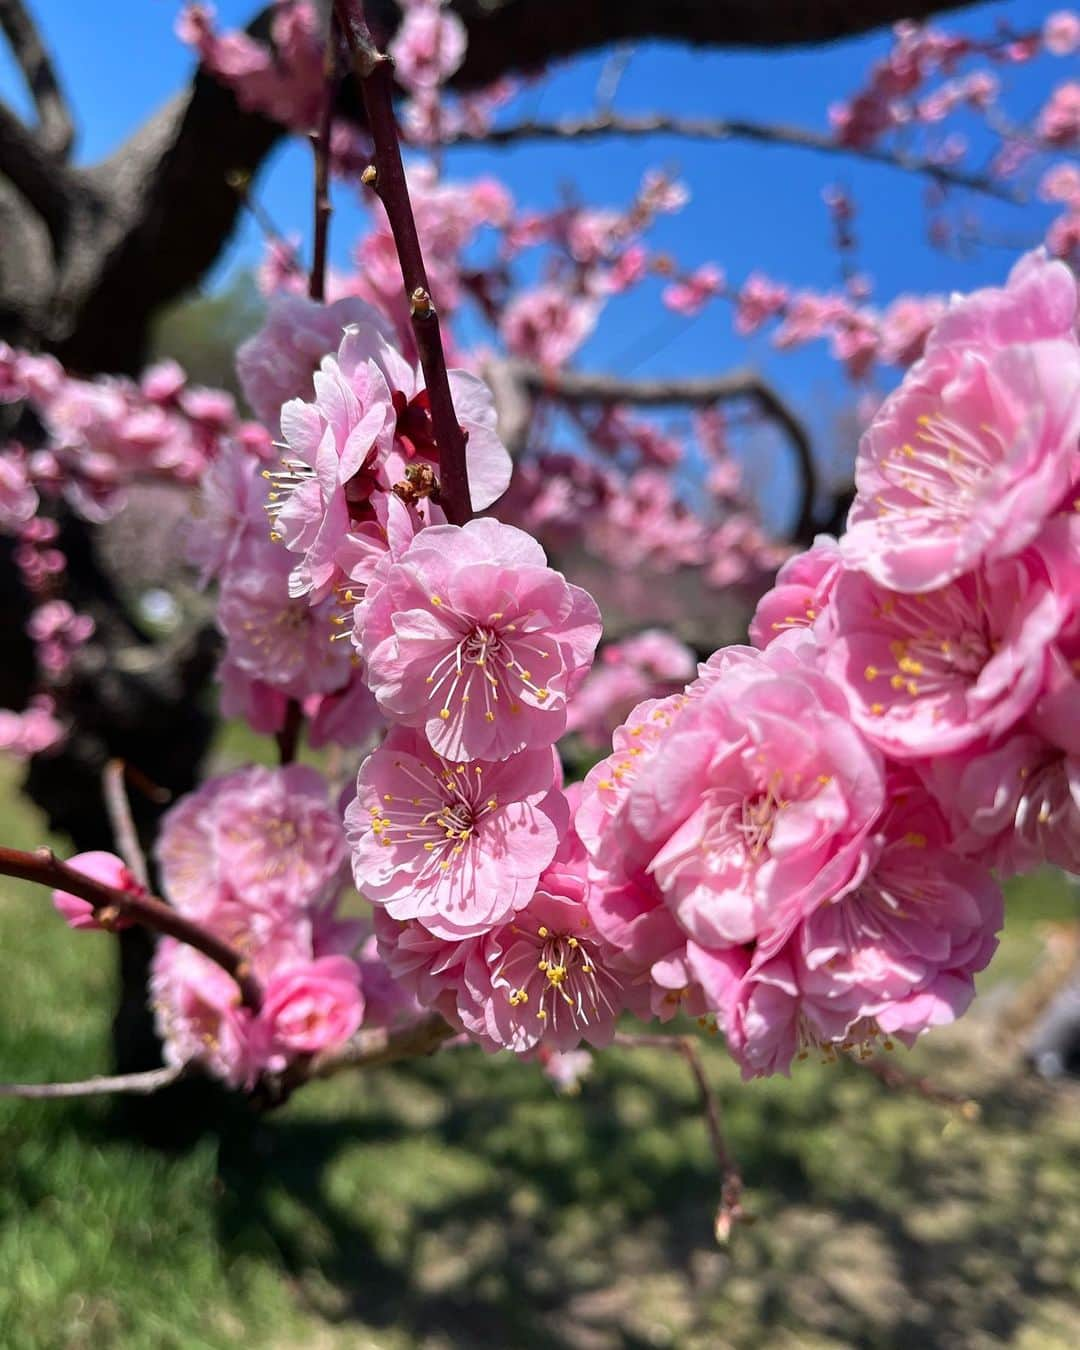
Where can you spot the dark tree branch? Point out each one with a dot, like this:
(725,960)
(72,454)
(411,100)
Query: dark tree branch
(374,73)
(43,181)
(43,867)
(517,383)
(55,131)
(728,129)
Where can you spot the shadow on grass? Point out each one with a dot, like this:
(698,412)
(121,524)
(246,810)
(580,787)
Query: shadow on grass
(461,1200)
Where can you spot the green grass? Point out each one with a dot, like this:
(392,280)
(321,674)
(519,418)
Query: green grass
(458,1202)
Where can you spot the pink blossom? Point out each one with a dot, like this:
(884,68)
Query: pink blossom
(267,837)
(277,364)
(429,968)
(547,324)
(163,382)
(199,1015)
(429,45)
(1059,120)
(110,871)
(282,641)
(367,432)
(689,295)
(1061,32)
(893,955)
(457,846)
(33,731)
(972,453)
(309,1008)
(1012,807)
(758,803)
(801,594)
(935,672)
(475,639)
(18,500)
(547,977)
(566,1068)
(758,299)
(905,326)
(231,513)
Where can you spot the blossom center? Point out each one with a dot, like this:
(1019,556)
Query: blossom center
(945,468)
(443,816)
(559,975)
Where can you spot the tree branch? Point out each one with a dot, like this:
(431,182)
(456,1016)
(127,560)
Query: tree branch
(514,383)
(727,129)
(43,867)
(374,74)
(56,131)
(137,1084)
(42,180)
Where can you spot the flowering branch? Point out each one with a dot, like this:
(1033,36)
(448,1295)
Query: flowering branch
(374,75)
(109,904)
(135,1084)
(727,129)
(515,383)
(730,1210)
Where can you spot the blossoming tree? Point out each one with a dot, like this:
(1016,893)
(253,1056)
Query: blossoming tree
(799,842)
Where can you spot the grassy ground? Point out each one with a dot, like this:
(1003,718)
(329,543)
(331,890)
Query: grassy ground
(460,1203)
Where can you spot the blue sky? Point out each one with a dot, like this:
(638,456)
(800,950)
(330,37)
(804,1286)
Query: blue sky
(751,207)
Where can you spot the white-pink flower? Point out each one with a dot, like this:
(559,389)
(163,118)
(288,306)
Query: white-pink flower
(457,846)
(473,638)
(267,837)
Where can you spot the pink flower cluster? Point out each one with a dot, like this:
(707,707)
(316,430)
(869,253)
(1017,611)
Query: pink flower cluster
(258,857)
(107,433)
(651,664)
(801,842)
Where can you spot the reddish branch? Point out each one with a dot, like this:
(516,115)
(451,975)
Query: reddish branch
(43,867)
(728,129)
(374,74)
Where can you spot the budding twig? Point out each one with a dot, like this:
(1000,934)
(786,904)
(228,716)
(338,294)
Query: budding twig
(42,866)
(374,75)
(731,129)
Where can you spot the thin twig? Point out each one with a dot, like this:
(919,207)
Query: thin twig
(43,867)
(368,1049)
(895,1078)
(125,835)
(136,1084)
(730,1209)
(374,75)
(730,129)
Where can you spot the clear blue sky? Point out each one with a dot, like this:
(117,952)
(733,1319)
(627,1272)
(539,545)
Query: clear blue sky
(751,207)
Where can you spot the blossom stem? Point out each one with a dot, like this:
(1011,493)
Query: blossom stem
(374,73)
(42,866)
